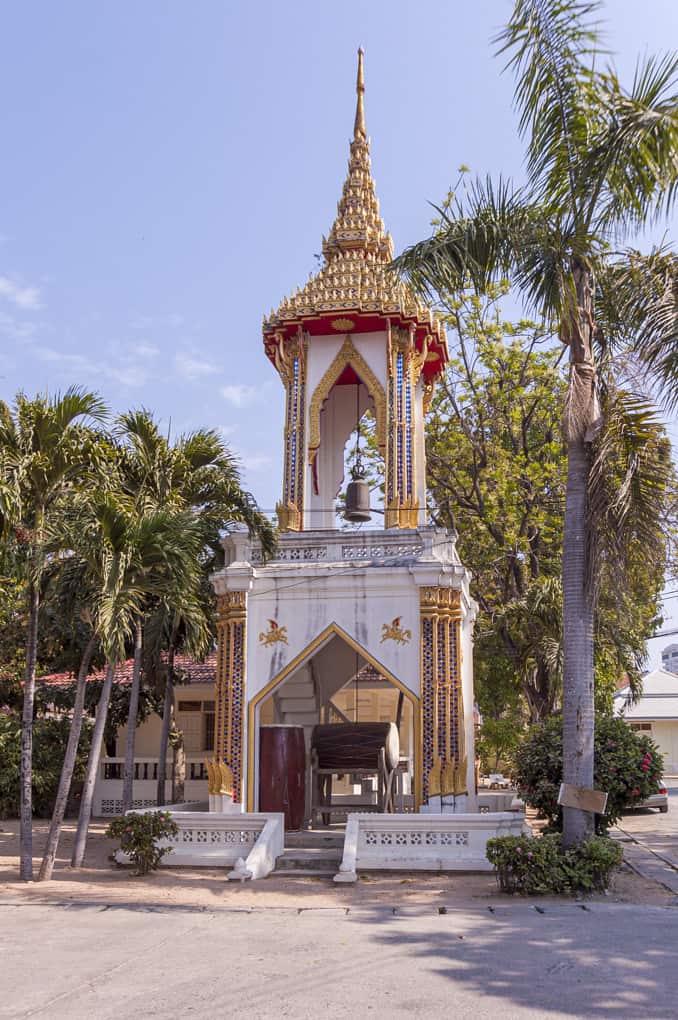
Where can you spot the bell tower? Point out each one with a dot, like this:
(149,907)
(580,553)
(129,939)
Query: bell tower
(384,613)
(354,338)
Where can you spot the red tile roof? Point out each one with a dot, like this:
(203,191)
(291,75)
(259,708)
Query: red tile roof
(193,672)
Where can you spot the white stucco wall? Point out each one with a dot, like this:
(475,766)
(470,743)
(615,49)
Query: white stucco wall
(665,732)
(307,598)
(322,350)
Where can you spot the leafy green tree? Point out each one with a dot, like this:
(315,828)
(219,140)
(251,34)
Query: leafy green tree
(50,737)
(497,472)
(497,740)
(44,452)
(602,161)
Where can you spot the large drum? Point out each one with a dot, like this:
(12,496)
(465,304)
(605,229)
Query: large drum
(282,772)
(347,747)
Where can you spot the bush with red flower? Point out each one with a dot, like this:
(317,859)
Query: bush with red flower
(628,765)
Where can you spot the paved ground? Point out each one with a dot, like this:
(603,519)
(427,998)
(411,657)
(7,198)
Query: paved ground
(565,961)
(102,946)
(656,840)
(657,831)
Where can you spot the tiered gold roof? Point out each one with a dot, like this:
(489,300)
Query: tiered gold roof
(356,252)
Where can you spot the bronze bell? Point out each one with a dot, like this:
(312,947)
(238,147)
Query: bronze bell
(357,501)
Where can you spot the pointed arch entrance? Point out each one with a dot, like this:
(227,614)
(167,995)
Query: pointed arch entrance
(331,632)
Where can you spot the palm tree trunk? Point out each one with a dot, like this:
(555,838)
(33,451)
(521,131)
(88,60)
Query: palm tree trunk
(167,707)
(26,811)
(92,769)
(578,703)
(68,766)
(128,775)
(179,768)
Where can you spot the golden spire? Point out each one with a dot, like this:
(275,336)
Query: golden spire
(358,225)
(354,278)
(359,125)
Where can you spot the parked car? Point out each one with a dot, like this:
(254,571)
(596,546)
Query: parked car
(660,799)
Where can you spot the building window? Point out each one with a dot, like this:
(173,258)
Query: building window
(189,706)
(208,730)
(641,726)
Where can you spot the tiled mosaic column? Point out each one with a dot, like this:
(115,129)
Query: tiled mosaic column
(402,509)
(291,366)
(230,686)
(442,710)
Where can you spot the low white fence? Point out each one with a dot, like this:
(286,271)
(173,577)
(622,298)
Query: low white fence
(445,842)
(210,840)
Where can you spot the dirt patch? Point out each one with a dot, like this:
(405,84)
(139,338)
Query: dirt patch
(103,882)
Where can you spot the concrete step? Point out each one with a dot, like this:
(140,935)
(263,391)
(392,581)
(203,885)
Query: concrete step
(309,839)
(310,861)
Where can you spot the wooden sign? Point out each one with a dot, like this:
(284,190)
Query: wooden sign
(582,798)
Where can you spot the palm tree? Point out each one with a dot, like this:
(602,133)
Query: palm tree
(602,162)
(143,556)
(198,476)
(44,452)
(165,548)
(68,765)
(86,527)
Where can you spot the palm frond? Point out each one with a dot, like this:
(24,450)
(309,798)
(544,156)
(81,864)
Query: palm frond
(637,308)
(634,160)
(630,475)
(76,403)
(497,232)
(552,47)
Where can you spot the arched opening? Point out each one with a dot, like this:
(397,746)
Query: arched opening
(361,449)
(335,681)
(348,390)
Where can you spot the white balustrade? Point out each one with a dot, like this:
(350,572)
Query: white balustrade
(207,839)
(343,546)
(450,842)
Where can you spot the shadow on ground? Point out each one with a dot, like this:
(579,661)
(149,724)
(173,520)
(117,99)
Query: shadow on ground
(572,960)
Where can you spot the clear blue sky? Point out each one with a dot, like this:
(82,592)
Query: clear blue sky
(169,167)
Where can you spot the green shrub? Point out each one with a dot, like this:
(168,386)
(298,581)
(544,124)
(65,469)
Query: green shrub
(627,767)
(50,736)
(139,835)
(538,865)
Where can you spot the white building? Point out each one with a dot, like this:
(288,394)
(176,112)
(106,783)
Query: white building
(656,713)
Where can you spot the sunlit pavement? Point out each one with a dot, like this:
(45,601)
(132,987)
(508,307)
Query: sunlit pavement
(568,960)
(655,831)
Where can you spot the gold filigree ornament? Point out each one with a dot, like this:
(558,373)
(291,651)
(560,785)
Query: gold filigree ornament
(219,778)
(343,325)
(446,778)
(394,632)
(274,635)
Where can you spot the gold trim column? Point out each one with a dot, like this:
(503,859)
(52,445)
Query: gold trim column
(442,710)
(226,777)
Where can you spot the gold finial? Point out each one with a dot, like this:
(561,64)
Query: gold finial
(359,126)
